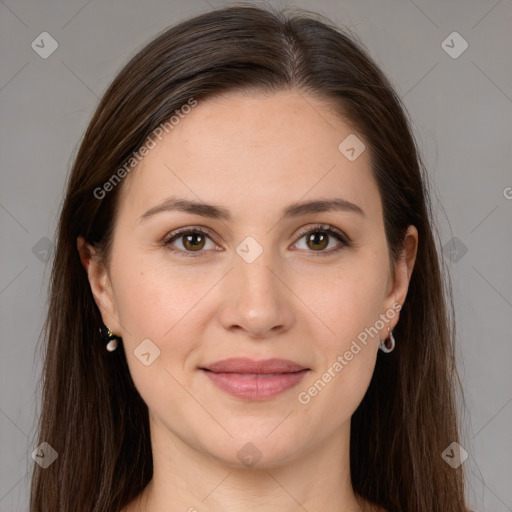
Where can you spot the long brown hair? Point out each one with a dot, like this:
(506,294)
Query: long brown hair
(91,412)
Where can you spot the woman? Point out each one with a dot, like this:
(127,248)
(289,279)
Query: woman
(247,309)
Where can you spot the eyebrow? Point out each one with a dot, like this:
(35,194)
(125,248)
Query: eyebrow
(218,212)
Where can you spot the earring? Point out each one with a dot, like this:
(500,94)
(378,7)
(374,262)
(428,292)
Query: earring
(109,338)
(384,345)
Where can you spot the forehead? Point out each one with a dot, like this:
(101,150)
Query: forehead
(253,154)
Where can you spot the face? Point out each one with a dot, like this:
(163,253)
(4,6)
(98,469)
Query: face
(257,277)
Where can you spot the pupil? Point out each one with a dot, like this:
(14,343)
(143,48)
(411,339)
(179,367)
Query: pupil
(189,239)
(318,239)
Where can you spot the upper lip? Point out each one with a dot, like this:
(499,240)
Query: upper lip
(247,365)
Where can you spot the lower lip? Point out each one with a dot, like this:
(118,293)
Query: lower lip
(255,387)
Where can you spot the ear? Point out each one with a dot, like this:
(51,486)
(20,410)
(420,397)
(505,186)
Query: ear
(403,272)
(100,283)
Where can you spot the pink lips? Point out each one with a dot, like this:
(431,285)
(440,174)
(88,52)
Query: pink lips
(255,380)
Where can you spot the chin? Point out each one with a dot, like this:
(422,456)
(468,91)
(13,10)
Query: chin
(254,451)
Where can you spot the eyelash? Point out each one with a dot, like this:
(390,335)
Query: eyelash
(323,228)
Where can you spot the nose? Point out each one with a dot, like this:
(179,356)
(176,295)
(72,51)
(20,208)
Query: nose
(258,301)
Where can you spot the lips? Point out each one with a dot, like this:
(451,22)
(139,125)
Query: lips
(254,380)
(246,365)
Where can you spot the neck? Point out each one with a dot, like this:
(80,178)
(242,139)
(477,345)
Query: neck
(189,480)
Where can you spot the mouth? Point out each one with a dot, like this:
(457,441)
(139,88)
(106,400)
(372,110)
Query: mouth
(254,380)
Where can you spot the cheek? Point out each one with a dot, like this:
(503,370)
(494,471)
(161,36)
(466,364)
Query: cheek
(338,385)
(155,307)
(347,299)
(163,304)
(152,295)
(349,304)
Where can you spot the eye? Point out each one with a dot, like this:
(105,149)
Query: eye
(192,239)
(318,238)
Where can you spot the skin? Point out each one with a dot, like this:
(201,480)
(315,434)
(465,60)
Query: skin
(253,155)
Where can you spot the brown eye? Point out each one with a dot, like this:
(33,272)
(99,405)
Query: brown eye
(189,242)
(317,240)
(193,241)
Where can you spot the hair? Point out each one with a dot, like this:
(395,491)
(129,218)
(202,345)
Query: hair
(91,412)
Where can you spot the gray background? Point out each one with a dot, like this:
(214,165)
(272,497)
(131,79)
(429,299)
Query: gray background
(462,114)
